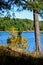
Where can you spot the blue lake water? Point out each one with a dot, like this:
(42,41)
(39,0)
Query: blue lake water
(28,35)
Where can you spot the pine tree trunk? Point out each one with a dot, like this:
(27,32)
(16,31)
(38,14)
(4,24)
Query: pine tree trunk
(37,32)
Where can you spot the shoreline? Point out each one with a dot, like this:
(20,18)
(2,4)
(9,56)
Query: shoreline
(18,31)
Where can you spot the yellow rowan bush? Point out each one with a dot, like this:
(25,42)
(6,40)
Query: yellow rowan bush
(17,39)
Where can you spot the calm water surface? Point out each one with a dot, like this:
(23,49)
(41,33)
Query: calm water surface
(28,35)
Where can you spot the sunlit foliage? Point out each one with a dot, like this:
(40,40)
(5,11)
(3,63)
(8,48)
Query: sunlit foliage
(16,41)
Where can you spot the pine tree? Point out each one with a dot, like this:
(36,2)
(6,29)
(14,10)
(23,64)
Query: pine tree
(33,5)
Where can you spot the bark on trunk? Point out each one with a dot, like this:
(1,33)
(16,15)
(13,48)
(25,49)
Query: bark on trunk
(37,32)
(19,35)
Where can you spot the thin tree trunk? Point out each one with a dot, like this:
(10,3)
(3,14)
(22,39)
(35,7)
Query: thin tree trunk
(19,35)
(37,32)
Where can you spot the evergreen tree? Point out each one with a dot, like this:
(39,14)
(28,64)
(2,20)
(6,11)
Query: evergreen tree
(37,7)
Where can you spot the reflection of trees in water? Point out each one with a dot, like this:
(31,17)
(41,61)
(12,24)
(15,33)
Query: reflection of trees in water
(1,42)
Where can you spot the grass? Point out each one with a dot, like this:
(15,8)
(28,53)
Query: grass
(10,57)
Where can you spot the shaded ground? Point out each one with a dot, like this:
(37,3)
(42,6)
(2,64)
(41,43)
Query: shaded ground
(10,57)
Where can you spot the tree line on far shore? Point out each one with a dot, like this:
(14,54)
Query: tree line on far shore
(23,24)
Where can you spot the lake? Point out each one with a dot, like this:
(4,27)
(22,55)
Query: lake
(28,35)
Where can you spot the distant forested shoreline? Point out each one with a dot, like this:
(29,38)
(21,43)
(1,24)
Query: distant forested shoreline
(18,24)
